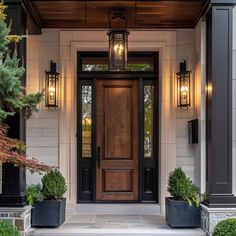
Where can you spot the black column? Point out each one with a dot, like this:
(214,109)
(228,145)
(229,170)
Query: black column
(219,104)
(13,178)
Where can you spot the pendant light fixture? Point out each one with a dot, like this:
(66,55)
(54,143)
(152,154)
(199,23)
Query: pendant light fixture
(118,41)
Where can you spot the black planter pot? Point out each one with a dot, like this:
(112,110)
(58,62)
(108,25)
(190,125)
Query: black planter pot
(180,215)
(48,213)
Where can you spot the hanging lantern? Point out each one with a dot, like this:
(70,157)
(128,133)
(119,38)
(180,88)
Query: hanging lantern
(118,43)
(183,87)
(51,86)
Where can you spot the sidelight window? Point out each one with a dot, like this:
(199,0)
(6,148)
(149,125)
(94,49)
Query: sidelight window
(148,120)
(148,139)
(86,120)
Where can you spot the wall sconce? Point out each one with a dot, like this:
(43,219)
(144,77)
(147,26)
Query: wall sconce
(51,86)
(118,42)
(183,87)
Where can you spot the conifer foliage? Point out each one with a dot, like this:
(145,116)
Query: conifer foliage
(13,99)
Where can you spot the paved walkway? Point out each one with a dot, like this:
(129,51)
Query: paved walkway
(115,224)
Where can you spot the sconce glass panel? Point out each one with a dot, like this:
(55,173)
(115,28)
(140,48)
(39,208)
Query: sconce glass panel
(51,88)
(183,89)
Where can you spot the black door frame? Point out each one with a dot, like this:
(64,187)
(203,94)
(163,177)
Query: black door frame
(86,167)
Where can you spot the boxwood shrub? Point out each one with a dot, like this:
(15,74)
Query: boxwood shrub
(182,188)
(226,227)
(7,229)
(53,185)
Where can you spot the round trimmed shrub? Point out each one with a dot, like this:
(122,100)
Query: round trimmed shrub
(182,188)
(53,185)
(7,229)
(226,227)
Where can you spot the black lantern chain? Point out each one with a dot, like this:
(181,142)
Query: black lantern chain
(183,87)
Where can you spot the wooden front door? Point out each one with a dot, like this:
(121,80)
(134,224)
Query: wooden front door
(117,140)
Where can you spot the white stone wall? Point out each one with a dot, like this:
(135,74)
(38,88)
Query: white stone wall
(42,128)
(43,132)
(184,150)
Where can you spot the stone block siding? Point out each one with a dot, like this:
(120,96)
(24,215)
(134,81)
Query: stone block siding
(211,216)
(19,217)
(42,128)
(184,150)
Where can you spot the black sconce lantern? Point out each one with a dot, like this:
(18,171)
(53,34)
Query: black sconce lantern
(118,42)
(51,86)
(183,87)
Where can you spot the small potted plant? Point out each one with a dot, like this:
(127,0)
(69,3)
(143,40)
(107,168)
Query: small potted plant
(183,208)
(48,204)
(34,194)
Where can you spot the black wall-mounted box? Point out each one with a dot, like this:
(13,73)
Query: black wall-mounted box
(193,131)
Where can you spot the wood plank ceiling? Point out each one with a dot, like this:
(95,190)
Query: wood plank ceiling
(95,14)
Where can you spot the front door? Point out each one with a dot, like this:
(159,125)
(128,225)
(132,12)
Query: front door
(117,126)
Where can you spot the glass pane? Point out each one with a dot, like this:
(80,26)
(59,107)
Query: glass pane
(94,64)
(139,67)
(148,120)
(141,63)
(86,121)
(135,63)
(95,67)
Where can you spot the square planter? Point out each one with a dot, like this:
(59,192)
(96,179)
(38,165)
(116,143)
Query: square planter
(180,215)
(48,213)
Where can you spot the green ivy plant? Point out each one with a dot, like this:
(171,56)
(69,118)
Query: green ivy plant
(182,188)
(53,185)
(226,227)
(7,229)
(34,194)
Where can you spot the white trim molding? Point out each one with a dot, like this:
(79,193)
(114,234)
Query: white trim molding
(71,42)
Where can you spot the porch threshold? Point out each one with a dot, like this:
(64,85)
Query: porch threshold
(115,224)
(121,208)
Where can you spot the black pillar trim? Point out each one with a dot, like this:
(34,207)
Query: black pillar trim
(34,22)
(219,104)
(13,186)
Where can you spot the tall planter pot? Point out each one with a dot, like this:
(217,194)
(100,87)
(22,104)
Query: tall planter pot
(180,215)
(48,213)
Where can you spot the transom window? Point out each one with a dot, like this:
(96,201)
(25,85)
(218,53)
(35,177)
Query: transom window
(98,62)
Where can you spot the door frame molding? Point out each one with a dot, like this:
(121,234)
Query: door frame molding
(89,78)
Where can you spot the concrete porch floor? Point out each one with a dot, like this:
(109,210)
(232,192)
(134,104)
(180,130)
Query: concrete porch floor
(115,224)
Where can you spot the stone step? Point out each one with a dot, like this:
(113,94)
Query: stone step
(130,208)
(115,225)
(117,232)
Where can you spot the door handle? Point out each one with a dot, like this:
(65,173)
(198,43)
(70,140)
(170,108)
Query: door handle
(99,156)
